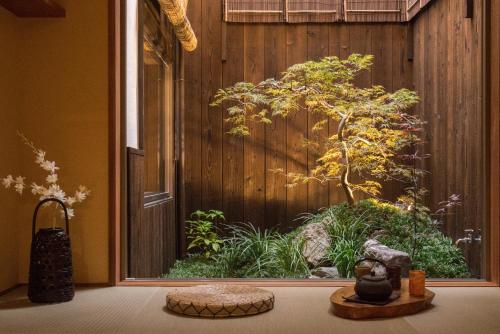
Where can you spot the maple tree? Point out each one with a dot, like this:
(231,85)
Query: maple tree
(369,128)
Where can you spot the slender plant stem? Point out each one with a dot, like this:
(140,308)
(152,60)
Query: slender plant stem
(415,199)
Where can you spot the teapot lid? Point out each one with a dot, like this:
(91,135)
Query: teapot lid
(373,278)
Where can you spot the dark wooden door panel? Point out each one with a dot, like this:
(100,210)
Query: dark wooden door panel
(152,231)
(135,205)
(158,239)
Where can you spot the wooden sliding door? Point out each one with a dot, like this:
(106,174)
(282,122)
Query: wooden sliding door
(151,168)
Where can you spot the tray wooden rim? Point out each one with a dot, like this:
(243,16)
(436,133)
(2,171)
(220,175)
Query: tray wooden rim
(405,305)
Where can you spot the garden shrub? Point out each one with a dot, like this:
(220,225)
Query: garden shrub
(350,227)
(201,231)
(250,252)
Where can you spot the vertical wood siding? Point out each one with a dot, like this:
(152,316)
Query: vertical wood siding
(233,173)
(448,77)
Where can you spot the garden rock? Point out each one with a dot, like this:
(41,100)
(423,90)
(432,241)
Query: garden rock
(314,277)
(391,257)
(326,272)
(316,240)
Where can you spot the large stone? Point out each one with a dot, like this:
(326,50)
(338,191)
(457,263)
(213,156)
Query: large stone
(391,257)
(326,272)
(316,240)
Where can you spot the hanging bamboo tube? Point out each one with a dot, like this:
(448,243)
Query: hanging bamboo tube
(176,13)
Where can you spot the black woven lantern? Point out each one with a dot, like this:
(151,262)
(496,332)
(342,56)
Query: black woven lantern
(51,270)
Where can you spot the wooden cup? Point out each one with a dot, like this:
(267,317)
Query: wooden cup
(417,283)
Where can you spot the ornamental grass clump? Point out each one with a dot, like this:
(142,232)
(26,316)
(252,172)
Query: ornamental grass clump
(369,127)
(263,254)
(50,187)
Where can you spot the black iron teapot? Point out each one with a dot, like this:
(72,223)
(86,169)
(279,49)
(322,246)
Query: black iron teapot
(371,287)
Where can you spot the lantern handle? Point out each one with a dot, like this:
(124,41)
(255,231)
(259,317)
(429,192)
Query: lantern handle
(50,199)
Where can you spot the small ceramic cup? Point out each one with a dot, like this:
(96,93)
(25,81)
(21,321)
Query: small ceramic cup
(417,283)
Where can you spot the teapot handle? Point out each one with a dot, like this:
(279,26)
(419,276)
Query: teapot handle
(370,259)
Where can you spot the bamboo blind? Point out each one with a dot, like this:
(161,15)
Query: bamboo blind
(254,11)
(299,11)
(374,10)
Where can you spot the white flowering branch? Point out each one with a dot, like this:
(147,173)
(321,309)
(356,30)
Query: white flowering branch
(51,188)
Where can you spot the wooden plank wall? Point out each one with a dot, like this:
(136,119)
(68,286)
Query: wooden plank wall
(447,74)
(233,174)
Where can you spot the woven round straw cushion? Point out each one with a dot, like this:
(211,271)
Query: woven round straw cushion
(219,301)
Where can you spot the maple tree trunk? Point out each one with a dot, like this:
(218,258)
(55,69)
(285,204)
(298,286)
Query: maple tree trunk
(344,177)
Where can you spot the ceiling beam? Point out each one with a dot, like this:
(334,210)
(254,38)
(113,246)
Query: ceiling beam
(34,8)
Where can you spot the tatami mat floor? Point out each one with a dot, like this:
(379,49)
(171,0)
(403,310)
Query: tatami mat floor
(297,310)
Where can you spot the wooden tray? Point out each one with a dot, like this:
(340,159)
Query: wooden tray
(404,305)
(220,301)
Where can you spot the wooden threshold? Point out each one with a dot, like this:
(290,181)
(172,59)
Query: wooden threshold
(290,283)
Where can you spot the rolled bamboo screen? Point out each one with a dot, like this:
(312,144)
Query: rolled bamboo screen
(176,13)
(374,10)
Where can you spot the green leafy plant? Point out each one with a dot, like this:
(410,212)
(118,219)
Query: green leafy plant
(373,126)
(202,233)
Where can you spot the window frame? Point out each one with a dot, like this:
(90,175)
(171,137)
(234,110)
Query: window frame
(117,192)
(167,162)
